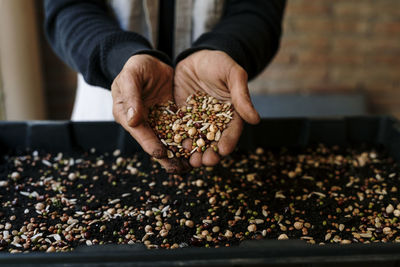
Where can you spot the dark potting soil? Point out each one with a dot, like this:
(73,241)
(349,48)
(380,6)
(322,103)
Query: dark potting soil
(56,202)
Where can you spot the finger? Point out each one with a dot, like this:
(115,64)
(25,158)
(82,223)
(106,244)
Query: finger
(230,136)
(142,133)
(240,96)
(146,138)
(195,159)
(131,94)
(174,165)
(210,158)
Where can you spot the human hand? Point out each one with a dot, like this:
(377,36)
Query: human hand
(144,82)
(217,74)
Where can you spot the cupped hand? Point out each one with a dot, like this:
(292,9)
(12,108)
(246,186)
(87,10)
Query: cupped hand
(217,74)
(144,82)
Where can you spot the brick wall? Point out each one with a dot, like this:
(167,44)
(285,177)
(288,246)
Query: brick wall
(341,45)
(327,46)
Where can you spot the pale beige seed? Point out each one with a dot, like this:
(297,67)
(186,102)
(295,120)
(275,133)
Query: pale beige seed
(389,209)
(200,142)
(189,223)
(228,234)
(217,136)
(212,200)
(192,131)
(213,128)
(252,228)
(210,136)
(217,107)
(215,229)
(177,138)
(283,237)
(298,225)
(170,154)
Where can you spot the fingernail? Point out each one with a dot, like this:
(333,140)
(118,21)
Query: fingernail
(129,114)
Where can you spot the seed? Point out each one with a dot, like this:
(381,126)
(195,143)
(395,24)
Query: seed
(283,237)
(3,183)
(148,228)
(298,225)
(212,200)
(170,154)
(167,226)
(8,226)
(192,131)
(341,227)
(389,209)
(15,176)
(215,229)
(252,228)
(177,138)
(175,127)
(148,213)
(217,136)
(396,213)
(51,249)
(163,233)
(100,162)
(199,183)
(189,223)
(217,107)
(72,176)
(210,136)
(387,230)
(213,128)
(200,142)
(292,174)
(345,241)
(40,206)
(228,234)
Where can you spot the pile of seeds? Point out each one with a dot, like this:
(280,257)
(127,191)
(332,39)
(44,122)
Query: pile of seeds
(203,119)
(321,195)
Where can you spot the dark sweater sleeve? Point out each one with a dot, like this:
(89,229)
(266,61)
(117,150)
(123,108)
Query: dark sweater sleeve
(89,39)
(249,31)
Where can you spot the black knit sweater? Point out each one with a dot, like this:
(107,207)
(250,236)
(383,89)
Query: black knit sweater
(88,38)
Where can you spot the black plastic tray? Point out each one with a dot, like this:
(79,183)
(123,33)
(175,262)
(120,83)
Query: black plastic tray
(107,136)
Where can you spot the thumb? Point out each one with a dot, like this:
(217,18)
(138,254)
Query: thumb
(237,82)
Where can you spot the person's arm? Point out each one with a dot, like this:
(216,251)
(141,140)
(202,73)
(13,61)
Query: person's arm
(249,32)
(88,38)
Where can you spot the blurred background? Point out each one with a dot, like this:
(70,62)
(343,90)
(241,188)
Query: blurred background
(341,55)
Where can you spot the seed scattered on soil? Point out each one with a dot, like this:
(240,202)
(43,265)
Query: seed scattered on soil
(130,199)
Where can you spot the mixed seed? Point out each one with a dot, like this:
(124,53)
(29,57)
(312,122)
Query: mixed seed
(202,119)
(321,195)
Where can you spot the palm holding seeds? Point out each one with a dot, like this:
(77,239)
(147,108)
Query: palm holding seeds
(143,82)
(218,75)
